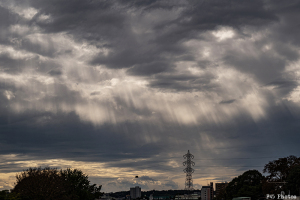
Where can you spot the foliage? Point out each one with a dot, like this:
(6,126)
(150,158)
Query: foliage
(6,195)
(279,171)
(221,195)
(51,184)
(293,180)
(38,184)
(79,186)
(247,185)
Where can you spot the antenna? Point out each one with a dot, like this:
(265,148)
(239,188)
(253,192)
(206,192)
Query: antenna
(188,170)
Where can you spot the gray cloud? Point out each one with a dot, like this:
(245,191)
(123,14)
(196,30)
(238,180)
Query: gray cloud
(95,93)
(171,184)
(55,72)
(129,86)
(227,101)
(183,82)
(146,178)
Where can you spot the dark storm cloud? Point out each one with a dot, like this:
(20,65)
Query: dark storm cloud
(263,139)
(183,82)
(92,20)
(7,18)
(149,164)
(132,108)
(146,178)
(227,101)
(152,4)
(95,93)
(11,65)
(55,72)
(108,25)
(171,184)
(283,83)
(64,136)
(8,64)
(288,30)
(44,50)
(236,14)
(283,86)
(22,132)
(150,40)
(149,68)
(191,22)
(11,167)
(266,66)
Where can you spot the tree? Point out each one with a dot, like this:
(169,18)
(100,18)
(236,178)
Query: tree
(51,184)
(38,184)
(279,173)
(246,185)
(279,169)
(79,186)
(221,195)
(6,195)
(293,180)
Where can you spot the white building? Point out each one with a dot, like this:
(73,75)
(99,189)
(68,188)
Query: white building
(135,192)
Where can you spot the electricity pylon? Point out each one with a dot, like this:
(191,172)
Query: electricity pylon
(188,170)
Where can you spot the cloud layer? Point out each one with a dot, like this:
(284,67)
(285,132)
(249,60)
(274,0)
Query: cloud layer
(125,88)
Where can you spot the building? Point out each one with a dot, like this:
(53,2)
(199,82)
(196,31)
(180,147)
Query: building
(206,193)
(135,192)
(242,198)
(105,197)
(160,197)
(188,197)
(211,190)
(220,187)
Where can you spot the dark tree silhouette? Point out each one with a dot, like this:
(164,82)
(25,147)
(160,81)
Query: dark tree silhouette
(6,195)
(293,180)
(78,186)
(38,183)
(279,171)
(51,184)
(249,184)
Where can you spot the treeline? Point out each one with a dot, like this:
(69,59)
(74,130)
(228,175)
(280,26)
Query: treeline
(73,184)
(52,184)
(146,194)
(284,176)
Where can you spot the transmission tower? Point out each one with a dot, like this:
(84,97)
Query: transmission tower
(188,170)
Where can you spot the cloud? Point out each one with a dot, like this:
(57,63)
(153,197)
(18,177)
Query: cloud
(146,178)
(171,184)
(227,101)
(197,186)
(124,88)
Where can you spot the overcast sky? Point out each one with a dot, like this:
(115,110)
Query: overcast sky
(125,88)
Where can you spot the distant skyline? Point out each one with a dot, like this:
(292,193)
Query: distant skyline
(125,88)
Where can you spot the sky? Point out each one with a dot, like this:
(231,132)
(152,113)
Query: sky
(125,88)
